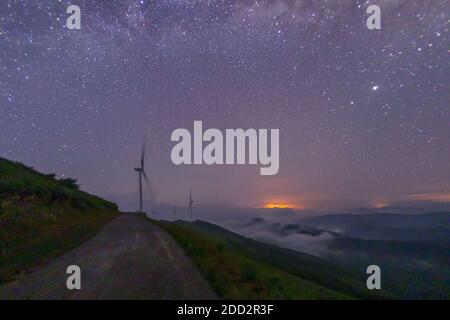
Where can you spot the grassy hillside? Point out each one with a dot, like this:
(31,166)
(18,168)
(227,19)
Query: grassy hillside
(41,217)
(241,268)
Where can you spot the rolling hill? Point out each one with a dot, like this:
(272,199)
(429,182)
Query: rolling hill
(433,227)
(241,268)
(411,250)
(410,269)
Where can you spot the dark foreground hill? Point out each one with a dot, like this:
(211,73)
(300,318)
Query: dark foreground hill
(41,217)
(410,270)
(241,268)
(413,250)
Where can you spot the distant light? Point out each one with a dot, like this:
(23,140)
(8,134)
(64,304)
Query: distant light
(276,206)
(375,88)
(279,206)
(380,205)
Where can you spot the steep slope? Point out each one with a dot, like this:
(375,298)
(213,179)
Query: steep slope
(238,267)
(41,217)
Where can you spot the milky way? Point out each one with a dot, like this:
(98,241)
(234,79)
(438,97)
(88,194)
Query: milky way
(364,115)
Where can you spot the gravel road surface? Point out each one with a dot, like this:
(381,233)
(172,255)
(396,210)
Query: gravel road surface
(130,258)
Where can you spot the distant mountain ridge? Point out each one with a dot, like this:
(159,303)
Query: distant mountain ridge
(433,227)
(412,250)
(283,230)
(422,220)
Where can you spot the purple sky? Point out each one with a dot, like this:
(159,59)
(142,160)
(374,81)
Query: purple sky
(364,116)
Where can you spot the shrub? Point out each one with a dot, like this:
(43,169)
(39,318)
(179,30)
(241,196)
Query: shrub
(70,183)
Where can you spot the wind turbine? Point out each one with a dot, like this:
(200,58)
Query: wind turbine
(190,203)
(174,212)
(142,174)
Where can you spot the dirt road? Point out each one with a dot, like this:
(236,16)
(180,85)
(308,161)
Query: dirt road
(129,258)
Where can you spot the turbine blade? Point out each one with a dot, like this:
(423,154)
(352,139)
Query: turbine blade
(144,146)
(149,187)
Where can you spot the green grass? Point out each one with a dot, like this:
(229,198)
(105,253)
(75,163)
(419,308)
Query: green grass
(22,182)
(236,274)
(41,217)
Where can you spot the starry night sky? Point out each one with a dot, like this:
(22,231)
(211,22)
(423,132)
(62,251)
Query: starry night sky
(364,116)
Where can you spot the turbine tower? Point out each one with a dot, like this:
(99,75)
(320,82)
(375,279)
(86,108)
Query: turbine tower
(191,202)
(174,212)
(141,172)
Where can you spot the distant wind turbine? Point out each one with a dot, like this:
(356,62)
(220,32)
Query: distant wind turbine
(141,171)
(174,212)
(191,202)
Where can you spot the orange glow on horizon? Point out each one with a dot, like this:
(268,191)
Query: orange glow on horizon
(280,205)
(380,205)
(276,205)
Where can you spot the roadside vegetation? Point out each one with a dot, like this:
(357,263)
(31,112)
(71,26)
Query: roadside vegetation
(42,217)
(236,274)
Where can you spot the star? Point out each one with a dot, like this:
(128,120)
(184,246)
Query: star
(308,68)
